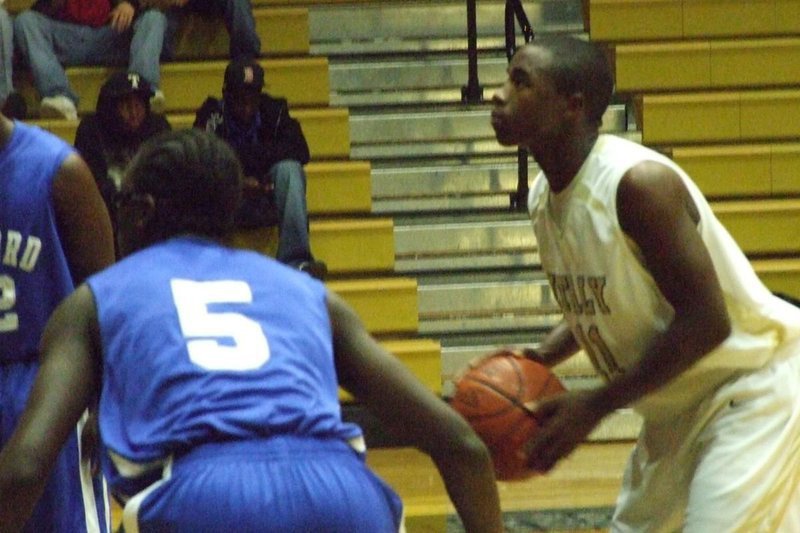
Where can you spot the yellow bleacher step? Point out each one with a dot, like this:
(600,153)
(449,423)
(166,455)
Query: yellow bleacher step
(327,130)
(762,226)
(743,170)
(339,187)
(354,245)
(347,246)
(780,275)
(386,305)
(708,64)
(635,20)
(302,80)
(721,116)
(283,31)
(423,357)
(630,20)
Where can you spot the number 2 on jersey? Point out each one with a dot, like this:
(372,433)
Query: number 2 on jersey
(9,321)
(204,330)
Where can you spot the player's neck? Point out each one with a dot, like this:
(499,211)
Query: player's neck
(561,163)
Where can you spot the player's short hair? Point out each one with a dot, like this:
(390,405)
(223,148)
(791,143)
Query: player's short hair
(195,180)
(579,66)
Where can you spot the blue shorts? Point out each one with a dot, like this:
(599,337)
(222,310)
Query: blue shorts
(73,501)
(282,484)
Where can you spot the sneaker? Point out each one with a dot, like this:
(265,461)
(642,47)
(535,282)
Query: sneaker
(58,106)
(15,107)
(315,269)
(157,102)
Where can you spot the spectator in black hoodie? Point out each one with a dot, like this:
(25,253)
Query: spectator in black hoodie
(272,150)
(109,138)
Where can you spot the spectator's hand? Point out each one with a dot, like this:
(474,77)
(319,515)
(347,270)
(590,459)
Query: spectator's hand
(252,187)
(122,16)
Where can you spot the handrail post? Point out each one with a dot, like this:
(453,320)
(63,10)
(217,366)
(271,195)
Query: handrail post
(472,93)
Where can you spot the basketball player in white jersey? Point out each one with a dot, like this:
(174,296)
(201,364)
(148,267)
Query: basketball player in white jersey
(657,293)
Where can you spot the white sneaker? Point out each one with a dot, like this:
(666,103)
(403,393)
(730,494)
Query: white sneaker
(58,106)
(157,102)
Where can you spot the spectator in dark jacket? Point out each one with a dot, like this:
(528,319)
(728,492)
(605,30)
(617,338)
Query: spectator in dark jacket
(109,138)
(272,150)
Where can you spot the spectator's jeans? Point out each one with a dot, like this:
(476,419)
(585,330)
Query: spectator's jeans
(49,45)
(6,55)
(289,181)
(238,17)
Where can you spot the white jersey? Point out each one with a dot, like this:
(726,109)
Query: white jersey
(612,303)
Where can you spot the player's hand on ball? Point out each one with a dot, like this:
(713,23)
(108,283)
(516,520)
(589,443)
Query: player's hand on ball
(565,421)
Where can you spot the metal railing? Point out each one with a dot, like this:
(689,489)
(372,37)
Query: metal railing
(472,92)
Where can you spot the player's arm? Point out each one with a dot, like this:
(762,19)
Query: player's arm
(83,222)
(559,344)
(656,210)
(406,407)
(66,381)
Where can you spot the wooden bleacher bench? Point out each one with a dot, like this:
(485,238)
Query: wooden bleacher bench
(641,20)
(780,275)
(743,170)
(303,81)
(708,64)
(721,116)
(762,226)
(387,305)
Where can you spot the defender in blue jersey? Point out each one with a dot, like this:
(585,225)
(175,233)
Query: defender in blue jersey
(54,232)
(218,373)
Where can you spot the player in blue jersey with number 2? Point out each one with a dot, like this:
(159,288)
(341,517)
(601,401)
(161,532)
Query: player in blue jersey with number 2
(54,232)
(217,373)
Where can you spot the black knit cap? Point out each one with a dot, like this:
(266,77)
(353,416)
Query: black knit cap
(243,74)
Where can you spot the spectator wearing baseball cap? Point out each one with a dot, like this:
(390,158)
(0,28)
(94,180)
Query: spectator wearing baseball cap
(272,150)
(108,138)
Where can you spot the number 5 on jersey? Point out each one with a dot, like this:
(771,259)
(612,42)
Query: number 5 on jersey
(204,330)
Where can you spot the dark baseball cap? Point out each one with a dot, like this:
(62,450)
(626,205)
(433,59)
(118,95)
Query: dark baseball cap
(243,74)
(124,83)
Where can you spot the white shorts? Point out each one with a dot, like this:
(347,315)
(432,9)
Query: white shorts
(732,465)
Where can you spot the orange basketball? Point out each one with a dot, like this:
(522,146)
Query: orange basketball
(492,394)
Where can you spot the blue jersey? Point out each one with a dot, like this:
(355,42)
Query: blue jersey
(204,343)
(34,275)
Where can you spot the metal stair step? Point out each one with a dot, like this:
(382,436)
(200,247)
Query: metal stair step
(465,246)
(486,305)
(377,27)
